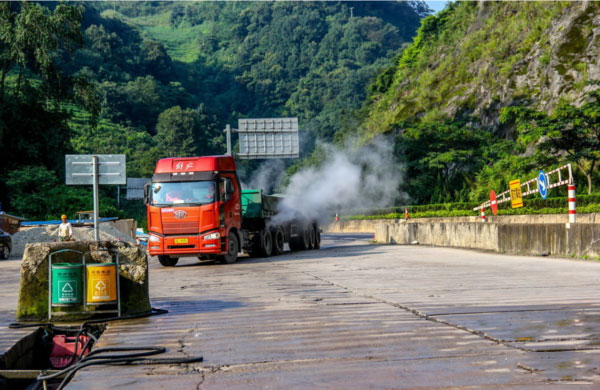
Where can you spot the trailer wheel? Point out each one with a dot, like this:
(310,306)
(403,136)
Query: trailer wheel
(317,236)
(233,247)
(278,240)
(306,238)
(266,248)
(167,261)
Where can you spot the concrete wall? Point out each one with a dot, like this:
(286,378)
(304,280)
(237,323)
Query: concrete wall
(368,226)
(558,239)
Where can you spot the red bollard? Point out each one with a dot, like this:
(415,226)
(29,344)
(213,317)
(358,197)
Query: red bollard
(571,197)
(483,215)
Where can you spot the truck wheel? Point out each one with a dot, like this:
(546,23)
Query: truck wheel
(317,236)
(311,236)
(267,243)
(233,247)
(5,254)
(278,241)
(305,239)
(167,261)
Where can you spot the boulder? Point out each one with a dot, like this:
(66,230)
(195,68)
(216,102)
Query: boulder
(133,273)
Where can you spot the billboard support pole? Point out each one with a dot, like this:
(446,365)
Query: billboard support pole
(95,190)
(228,136)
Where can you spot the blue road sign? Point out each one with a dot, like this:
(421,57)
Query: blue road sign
(542,182)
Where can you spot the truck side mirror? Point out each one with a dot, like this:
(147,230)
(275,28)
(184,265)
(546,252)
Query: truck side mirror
(229,189)
(147,193)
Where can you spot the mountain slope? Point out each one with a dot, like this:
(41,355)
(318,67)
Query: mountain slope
(472,59)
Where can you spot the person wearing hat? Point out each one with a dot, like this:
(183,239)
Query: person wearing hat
(65,230)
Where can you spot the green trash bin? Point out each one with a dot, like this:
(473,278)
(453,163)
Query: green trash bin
(67,284)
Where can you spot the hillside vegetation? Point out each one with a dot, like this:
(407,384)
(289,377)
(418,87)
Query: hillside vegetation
(160,79)
(488,92)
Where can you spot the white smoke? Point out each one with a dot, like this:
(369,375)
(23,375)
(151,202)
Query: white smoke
(350,178)
(267,177)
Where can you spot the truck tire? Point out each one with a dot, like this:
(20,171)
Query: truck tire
(233,247)
(167,261)
(278,240)
(311,236)
(306,238)
(266,248)
(317,236)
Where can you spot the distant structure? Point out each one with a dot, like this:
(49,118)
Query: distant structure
(351,12)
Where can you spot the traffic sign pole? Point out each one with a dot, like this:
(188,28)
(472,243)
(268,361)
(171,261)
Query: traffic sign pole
(95,190)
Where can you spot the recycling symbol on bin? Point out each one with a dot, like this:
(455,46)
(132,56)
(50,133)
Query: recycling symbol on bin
(101,285)
(67,288)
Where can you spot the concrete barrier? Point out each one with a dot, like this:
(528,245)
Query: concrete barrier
(368,226)
(558,239)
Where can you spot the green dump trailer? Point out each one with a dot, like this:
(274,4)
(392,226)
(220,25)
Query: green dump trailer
(266,233)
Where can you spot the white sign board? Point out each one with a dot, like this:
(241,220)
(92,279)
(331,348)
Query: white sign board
(79,169)
(268,138)
(135,188)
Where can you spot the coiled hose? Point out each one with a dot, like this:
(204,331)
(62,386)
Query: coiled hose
(98,356)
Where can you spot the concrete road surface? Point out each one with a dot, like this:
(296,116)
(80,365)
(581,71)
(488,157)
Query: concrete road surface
(356,316)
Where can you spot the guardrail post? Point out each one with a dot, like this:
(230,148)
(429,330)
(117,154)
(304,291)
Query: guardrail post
(483,215)
(572,203)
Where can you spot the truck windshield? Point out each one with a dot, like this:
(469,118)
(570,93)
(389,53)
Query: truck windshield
(190,192)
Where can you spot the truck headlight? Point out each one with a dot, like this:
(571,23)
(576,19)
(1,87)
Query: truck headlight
(152,238)
(212,236)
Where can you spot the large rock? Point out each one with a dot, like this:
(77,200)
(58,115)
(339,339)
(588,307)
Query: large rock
(133,272)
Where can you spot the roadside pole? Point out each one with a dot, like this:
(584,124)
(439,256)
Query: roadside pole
(95,190)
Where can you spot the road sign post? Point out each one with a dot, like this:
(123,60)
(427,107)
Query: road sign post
(493,202)
(86,169)
(542,183)
(516,196)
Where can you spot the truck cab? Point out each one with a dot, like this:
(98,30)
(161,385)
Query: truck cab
(194,209)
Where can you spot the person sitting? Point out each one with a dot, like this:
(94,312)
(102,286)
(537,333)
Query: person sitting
(174,197)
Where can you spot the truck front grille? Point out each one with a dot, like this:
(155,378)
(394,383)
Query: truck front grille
(180,227)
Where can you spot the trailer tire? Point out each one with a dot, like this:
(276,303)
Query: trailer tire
(266,239)
(233,247)
(167,261)
(317,236)
(306,238)
(278,240)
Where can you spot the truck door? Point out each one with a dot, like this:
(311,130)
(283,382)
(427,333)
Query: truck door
(230,209)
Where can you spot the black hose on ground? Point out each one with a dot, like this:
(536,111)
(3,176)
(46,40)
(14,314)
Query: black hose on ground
(96,358)
(109,359)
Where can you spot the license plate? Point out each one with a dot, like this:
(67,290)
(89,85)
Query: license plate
(181,241)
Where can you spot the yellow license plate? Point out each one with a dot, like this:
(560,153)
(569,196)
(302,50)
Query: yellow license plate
(181,241)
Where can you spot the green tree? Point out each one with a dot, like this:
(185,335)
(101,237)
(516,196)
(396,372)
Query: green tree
(175,132)
(441,159)
(571,133)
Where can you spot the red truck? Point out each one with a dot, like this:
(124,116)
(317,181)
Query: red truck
(196,207)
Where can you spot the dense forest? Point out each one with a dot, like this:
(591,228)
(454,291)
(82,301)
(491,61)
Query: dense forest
(471,97)
(161,79)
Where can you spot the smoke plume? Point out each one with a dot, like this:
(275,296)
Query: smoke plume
(267,176)
(348,179)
